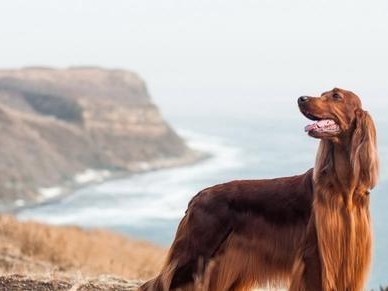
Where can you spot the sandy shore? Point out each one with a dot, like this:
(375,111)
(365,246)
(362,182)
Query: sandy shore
(95,177)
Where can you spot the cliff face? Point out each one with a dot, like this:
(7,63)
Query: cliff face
(57,123)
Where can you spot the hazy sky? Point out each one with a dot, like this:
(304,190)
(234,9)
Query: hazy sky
(228,54)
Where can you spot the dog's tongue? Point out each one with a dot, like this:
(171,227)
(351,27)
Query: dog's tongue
(322,125)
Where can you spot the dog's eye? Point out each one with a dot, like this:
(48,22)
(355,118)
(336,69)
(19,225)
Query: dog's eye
(337,96)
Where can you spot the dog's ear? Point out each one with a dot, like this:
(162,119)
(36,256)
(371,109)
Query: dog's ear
(363,150)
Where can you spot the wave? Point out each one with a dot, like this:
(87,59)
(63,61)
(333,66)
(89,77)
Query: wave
(143,198)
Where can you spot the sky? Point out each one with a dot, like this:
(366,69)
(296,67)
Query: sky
(213,57)
(209,56)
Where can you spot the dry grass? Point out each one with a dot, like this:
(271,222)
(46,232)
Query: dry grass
(29,247)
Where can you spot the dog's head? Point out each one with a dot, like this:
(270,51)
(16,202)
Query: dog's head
(339,118)
(334,113)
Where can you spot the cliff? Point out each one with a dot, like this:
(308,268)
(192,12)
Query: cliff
(56,124)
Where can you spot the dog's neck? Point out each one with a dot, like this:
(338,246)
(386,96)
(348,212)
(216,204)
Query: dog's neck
(342,167)
(334,167)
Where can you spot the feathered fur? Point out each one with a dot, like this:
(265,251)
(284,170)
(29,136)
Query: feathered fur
(309,232)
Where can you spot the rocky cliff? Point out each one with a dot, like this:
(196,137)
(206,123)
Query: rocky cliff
(55,124)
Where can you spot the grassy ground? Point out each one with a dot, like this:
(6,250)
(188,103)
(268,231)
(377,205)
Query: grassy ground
(45,254)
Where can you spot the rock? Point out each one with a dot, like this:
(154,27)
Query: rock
(23,283)
(58,123)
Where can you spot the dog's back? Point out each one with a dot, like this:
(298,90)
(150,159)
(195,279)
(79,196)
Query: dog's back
(238,233)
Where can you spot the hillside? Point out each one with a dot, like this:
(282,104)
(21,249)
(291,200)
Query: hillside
(60,124)
(39,255)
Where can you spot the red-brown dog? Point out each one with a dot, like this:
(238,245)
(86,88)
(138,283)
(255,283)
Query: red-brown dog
(309,232)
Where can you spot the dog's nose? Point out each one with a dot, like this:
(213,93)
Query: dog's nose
(303,99)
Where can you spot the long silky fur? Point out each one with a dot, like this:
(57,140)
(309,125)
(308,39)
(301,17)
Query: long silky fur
(327,247)
(342,215)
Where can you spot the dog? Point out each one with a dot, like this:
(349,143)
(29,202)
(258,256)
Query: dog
(309,232)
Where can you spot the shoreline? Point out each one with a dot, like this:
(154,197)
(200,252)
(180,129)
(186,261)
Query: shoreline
(71,186)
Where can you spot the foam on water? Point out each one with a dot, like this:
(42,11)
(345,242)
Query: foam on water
(142,198)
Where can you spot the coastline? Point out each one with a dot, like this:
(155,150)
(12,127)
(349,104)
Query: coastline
(96,177)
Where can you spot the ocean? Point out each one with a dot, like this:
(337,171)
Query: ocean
(149,205)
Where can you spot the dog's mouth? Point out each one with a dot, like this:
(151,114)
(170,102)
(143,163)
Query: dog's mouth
(321,125)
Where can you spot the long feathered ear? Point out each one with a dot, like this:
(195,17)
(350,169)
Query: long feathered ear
(363,151)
